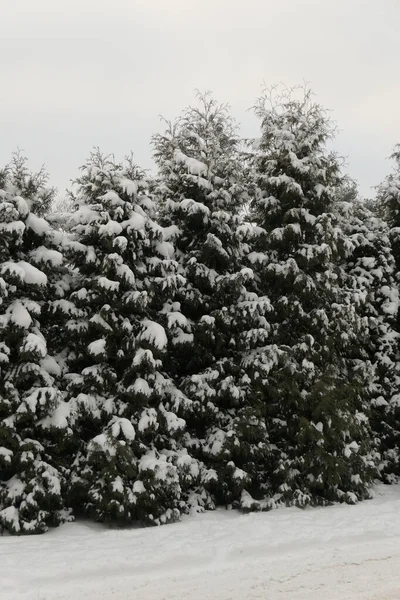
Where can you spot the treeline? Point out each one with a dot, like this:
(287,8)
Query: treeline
(223,332)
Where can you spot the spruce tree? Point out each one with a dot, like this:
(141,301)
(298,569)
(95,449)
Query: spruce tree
(129,464)
(33,428)
(314,390)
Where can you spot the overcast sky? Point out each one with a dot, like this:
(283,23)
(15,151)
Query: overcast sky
(79,73)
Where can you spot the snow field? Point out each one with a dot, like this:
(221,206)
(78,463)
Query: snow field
(338,552)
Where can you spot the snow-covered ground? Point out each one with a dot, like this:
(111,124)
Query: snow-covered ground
(346,552)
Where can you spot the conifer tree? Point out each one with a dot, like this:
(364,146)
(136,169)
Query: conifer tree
(203,188)
(387,413)
(33,428)
(127,413)
(318,417)
(388,199)
(32,186)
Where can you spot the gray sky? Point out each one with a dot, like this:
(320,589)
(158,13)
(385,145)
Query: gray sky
(79,73)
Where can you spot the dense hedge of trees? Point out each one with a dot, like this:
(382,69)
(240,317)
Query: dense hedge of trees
(222,332)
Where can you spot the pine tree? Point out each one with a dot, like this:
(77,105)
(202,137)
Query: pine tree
(130,464)
(203,188)
(33,429)
(317,412)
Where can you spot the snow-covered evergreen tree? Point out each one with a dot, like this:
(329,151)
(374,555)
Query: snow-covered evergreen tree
(203,187)
(127,413)
(224,333)
(318,417)
(32,186)
(387,414)
(388,199)
(373,268)
(33,429)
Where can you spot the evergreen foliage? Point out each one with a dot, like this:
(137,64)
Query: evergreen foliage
(203,188)
(318,414)
(388,198)
(32,426)
(127,412)
(386,250)
(225,332)
(32,186)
